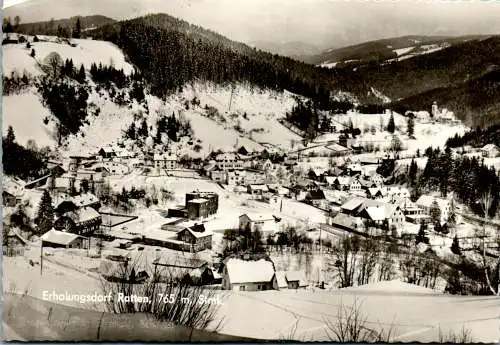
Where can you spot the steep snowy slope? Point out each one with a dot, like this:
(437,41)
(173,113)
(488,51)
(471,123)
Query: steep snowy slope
(244,115)
(16,57)
(26,113)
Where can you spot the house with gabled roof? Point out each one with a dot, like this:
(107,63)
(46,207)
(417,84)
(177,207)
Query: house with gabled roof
(80,221)
(384,216)
(490,151)
(107,152)
(342,182)
(197,237)
(249,275)
(330,180)
(62,239)
(257,191)
(347,222)
(425,202)
(13,242)
(374,193)
(264,222)
(354,185)
(291,280)
(378,213)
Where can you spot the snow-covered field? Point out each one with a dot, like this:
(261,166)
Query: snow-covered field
(426,134)
(16,57)
(25,113)
(105,129)
(403,51)
(415,313)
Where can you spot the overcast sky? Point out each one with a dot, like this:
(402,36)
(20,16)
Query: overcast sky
(323,23)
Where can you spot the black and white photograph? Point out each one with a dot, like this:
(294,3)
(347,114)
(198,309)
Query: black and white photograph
(234,171)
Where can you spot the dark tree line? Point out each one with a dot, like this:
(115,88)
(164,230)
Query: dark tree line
(66,102)
(307,117)
(169,57)
(70,71)
(108,74)
(10,25)
(173,127)
(468,178)
(477,138)
(371,109)
(15,83)
(19,161)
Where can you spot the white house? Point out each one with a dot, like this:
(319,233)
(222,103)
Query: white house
(384,215)
(490,151)
(257,190)
(55,238)
(227,161)
(264,222)
(291,280)
(243,275)
(354,185)
(425,202)
(166,161)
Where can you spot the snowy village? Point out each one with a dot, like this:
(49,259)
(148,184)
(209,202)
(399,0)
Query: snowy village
(220,196)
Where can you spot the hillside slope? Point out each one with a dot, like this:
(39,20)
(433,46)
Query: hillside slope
(476,101)
(51,27)
(16,57)
(223,116)
(384,50)
(173,53)
(26,113)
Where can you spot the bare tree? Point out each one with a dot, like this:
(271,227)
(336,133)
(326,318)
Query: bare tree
(344,260)
(485,202)
(166,294)
(52,64)
(369,257)
(351,325)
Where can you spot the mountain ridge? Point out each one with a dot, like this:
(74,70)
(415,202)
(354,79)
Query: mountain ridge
(50,27)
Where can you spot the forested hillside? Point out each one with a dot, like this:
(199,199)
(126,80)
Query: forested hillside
(477,101)
(445,68)
(55,27)
(171,53)
(477,138)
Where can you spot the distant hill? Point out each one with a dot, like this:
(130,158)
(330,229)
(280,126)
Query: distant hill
(50,27)
(383,50)
(291,49)
(462,77)
(477,101)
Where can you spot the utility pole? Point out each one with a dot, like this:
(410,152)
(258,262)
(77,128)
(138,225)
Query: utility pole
(41,258)
(231,98)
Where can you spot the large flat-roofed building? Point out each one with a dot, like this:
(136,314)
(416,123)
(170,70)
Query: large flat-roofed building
(201,204)
(198,208)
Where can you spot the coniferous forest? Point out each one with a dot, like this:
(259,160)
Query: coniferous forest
(468,178)
(170,53)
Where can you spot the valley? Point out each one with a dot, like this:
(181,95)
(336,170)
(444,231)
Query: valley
(265,197)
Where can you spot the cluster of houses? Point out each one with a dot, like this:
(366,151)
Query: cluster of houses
(361,214)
